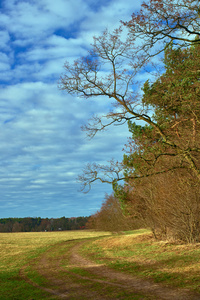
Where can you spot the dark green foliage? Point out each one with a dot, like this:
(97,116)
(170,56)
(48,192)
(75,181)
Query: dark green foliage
(172,140)
(39,224)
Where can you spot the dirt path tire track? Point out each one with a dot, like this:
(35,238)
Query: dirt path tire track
(129,282)
(65,286)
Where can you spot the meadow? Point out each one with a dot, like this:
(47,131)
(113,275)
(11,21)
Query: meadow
(77,264)
(18,249)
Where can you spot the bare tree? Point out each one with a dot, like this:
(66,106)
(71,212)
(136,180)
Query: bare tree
(160,23)
(111,217)
(168,204)
(110,72)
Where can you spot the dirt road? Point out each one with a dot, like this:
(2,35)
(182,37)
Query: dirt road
(64,273)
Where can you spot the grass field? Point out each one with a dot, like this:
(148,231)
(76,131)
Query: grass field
(135,253)
(174,264)
(17,249)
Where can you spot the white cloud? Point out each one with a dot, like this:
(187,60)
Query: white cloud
(42,147)
(4,67)
(4,39)
(107,17)
(37,19)
(70,10)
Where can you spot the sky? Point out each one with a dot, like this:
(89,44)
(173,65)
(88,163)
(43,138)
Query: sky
(42,147)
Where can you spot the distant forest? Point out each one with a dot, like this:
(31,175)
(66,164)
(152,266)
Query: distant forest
(39,224)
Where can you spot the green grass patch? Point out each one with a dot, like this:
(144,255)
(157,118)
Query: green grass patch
(79,271)
(15,288)
(35,277)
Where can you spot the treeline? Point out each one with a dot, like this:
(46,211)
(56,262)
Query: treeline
(160,171)
(162,161)
(163,157)
(40,224)
(113,217)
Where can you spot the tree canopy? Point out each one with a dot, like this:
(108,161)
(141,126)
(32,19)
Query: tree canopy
(167,139)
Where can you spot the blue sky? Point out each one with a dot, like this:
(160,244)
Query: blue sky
(43,149)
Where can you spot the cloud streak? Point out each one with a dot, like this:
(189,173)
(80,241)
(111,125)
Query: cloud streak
(42,146)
